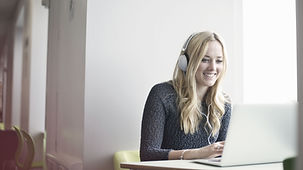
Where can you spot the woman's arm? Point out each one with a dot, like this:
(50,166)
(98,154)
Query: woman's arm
(152,128)
(209,151)
(225,123)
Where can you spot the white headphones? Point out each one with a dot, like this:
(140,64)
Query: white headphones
(183,58)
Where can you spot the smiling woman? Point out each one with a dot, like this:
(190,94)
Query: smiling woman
(187,117)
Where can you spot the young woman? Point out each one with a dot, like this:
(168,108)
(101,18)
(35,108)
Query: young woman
(188,117)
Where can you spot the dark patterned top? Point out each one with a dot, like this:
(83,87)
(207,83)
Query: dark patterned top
(161,131)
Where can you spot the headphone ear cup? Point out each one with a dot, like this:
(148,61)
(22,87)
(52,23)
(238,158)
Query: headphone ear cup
(182,63)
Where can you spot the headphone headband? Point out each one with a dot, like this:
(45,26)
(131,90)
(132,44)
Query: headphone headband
(183,58)
(187,41)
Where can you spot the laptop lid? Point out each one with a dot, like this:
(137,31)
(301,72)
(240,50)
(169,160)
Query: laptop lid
(259,133)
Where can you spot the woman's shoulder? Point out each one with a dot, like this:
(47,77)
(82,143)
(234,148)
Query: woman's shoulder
(163,89)
(227,101)
(226,97)
(163,86)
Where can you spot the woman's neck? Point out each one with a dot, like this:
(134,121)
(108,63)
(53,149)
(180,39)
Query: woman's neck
(201,91)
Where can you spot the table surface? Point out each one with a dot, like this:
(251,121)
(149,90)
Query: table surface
(190,164)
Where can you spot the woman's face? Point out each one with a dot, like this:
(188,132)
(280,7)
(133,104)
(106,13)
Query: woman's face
(211,65)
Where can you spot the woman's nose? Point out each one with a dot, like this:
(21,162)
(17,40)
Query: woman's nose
(212,65)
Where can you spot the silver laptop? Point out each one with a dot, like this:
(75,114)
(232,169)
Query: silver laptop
(259,133)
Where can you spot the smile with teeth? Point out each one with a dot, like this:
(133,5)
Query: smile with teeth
(209,75)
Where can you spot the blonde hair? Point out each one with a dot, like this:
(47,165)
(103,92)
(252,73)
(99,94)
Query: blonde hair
(185,85)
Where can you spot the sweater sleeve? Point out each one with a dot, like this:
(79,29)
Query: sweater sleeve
(225,122)
(152,127)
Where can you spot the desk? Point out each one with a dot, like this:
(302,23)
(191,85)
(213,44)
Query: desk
(189,165)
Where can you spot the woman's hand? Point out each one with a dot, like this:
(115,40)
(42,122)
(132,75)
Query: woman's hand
(211,151)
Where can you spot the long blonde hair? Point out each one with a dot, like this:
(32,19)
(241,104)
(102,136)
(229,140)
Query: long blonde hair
(185,85)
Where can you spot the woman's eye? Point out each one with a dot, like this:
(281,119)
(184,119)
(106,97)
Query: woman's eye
(219,61)
(204,60)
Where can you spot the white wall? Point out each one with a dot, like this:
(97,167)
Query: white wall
(17,74)
(29,74)
(65,84)
(37,71)
(131,45)
(39,25)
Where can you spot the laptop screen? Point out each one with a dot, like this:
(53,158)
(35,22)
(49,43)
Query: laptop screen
(261,133)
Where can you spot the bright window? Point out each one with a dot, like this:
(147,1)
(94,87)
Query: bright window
(269,51)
